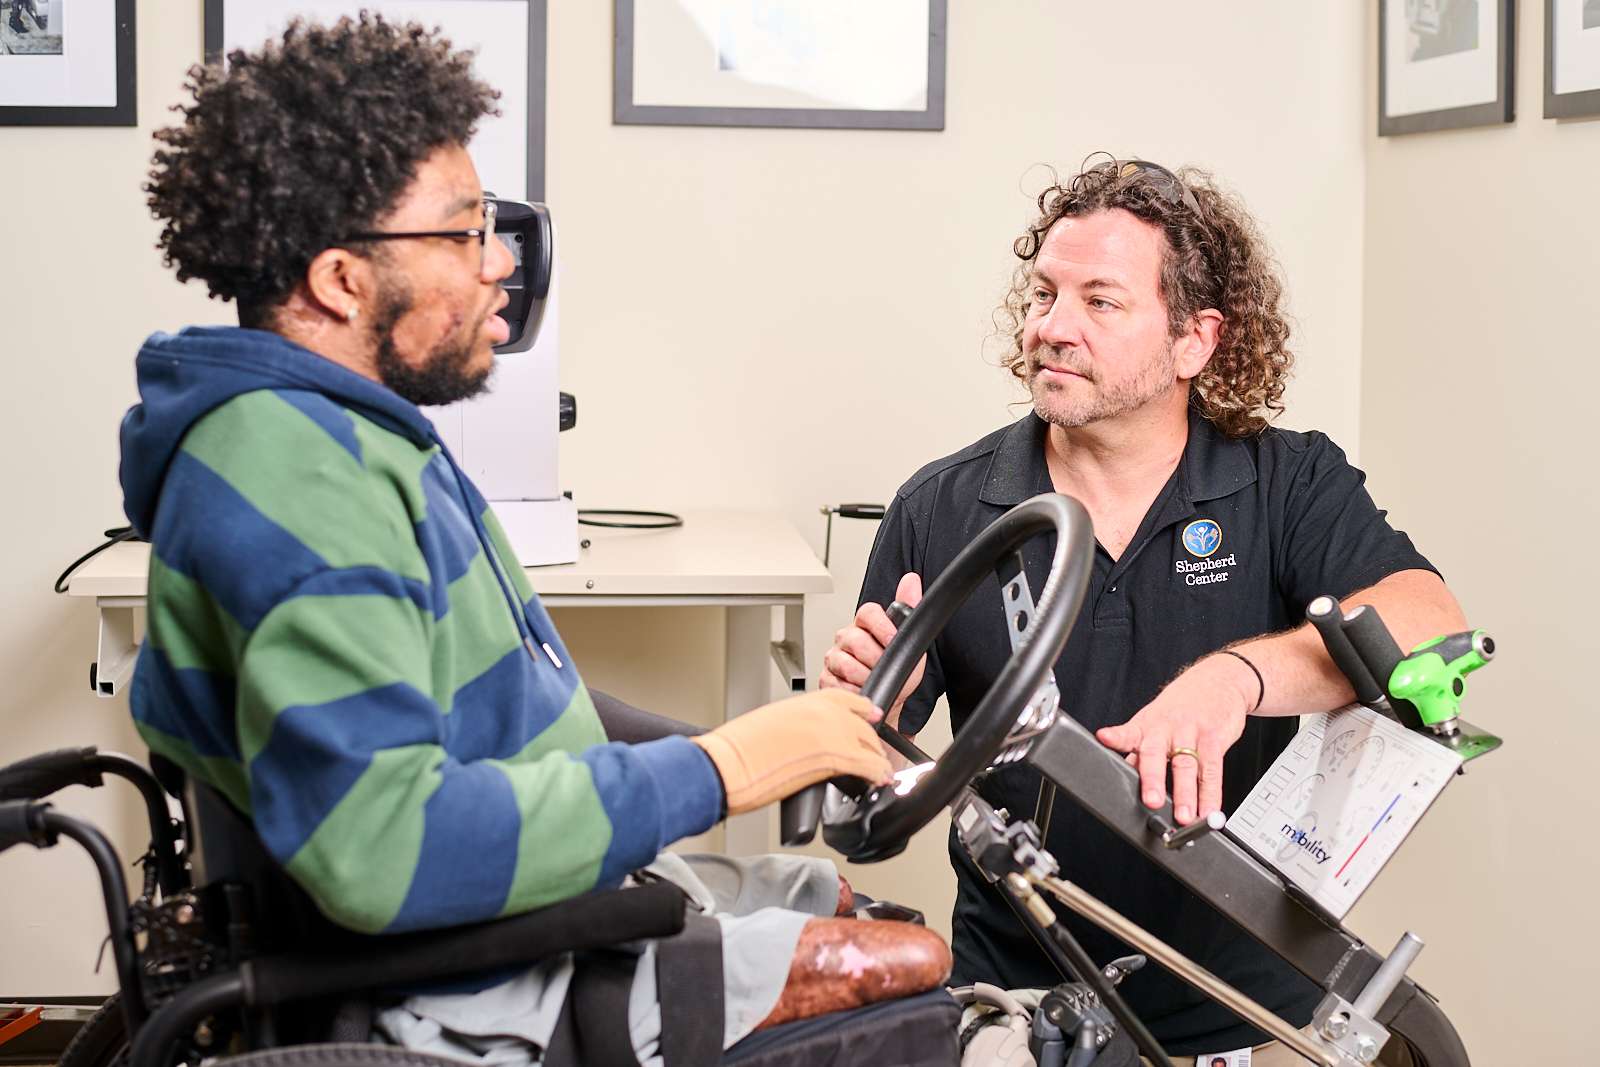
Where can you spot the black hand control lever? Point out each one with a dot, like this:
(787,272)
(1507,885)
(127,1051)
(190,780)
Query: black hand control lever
(1328,617)
(1376,646)
(1365,652)
(800,815)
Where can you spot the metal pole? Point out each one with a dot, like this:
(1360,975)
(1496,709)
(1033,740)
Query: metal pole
(1062,947)
(1191,972)
(1388,977)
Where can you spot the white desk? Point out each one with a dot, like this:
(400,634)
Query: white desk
(747,563)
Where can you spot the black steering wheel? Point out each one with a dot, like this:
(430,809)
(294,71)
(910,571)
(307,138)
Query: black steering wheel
(876,823)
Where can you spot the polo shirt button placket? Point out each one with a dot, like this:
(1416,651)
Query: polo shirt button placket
(1111,608)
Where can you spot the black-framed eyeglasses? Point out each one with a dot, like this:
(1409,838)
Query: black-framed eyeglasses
(482,234)
(1164,181)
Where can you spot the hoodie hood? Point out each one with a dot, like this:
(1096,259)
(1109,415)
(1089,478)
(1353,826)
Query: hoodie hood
(184,376)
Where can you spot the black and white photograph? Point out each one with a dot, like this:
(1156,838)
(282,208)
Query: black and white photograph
(1444,64)
(833,64)
(1572,59)
(1440,28)
(31,27)
(67,63)
(506,37)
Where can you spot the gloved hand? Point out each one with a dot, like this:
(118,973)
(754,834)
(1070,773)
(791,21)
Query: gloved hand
(777,750)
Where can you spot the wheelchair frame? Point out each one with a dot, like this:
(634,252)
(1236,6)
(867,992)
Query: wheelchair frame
(170,985)
(189,950)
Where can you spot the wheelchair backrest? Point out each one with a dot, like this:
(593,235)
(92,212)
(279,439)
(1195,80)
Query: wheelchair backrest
(229,862)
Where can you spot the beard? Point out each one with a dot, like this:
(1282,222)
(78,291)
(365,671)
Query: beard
(444,375)
(1094,399)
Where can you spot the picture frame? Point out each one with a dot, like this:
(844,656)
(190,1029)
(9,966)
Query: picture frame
(509,150)
(1445,64)
(68,63)
(1571,59)
(674,65)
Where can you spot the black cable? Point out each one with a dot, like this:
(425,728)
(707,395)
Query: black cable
(115,536)
(668,519)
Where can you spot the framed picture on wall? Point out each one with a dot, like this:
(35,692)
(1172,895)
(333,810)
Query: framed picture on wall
(841,64)
(67,63)
(1444,64)
(1571,58)
(507,36)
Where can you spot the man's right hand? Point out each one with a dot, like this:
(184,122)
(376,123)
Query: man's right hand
(858,647)
(777,750)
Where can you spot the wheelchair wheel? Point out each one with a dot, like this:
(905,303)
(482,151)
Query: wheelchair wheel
(339,1055)
(100,1042)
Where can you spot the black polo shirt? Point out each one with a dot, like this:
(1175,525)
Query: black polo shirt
(1244,534)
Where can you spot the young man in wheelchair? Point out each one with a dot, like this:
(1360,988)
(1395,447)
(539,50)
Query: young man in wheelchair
(340,642)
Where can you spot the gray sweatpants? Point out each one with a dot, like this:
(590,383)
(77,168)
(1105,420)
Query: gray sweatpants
(762,903)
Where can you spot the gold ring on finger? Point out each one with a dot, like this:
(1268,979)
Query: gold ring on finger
(1184,751)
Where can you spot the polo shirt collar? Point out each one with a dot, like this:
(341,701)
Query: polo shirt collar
(1017,469)
(1213,466)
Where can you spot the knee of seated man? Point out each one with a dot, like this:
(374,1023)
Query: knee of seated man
(847,963)
(884,959)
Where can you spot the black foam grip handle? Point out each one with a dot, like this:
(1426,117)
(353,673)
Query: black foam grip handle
(19,824)
(1326,615)
(860,511)
(39,776)
(1373,643)
(1377,648)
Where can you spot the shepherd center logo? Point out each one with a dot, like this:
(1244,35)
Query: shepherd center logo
(1202,538)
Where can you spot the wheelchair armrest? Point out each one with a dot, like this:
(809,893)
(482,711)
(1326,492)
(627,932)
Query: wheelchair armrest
(594,920)
(362,963)
(624,722)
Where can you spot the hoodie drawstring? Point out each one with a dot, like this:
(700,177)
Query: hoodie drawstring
(519,611)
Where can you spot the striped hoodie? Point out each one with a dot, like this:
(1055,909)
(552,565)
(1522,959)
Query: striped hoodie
(340,641)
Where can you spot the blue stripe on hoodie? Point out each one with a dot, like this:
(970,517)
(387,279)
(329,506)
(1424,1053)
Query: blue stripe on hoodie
(407,758)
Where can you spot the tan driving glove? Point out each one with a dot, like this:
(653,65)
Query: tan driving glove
(777,750)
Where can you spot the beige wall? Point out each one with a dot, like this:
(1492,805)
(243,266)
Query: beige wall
(753,318)
(1478,378)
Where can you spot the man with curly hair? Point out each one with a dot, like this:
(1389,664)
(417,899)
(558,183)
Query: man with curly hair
(1145,322)
(340,640)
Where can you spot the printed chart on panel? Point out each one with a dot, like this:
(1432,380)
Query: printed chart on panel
(1339,801)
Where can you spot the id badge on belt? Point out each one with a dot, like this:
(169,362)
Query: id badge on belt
(1236,1058)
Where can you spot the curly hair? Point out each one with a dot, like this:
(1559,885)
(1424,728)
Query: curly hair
(1215,257)
(307,139)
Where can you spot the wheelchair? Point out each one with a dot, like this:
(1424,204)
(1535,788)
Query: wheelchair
(223,958)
